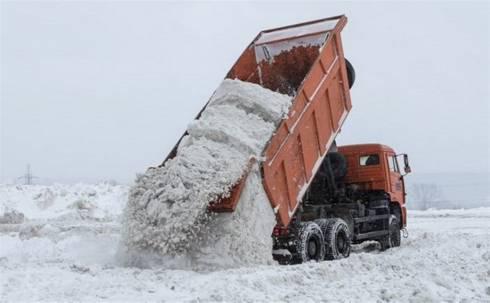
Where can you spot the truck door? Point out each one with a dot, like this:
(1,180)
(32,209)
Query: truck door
(396,183)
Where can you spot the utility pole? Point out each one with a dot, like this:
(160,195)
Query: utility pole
(28,177)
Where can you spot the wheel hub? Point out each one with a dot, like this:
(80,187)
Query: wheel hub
(312,248)
(341,242)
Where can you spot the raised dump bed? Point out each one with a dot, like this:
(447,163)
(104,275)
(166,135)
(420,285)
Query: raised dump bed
(305,61)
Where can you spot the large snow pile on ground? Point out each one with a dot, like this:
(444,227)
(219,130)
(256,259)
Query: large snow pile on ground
(167,207)
(73,258)
(99,201)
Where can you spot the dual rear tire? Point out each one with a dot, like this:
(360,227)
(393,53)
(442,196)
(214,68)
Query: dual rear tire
(310,244)
(337,238)
(324,239)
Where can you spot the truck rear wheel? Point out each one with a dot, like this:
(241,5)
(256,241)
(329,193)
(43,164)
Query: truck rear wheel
(337,239)
(393,239)
(310,245)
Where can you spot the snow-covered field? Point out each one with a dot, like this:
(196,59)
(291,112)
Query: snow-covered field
(65,249)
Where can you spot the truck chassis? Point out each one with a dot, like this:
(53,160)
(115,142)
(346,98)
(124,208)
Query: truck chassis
(332,216)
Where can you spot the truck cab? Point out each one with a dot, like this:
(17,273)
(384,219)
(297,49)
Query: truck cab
(376,168)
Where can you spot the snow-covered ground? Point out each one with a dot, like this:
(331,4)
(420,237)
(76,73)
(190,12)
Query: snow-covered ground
(65,249)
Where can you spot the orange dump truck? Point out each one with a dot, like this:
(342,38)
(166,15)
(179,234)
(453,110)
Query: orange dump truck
(325,197)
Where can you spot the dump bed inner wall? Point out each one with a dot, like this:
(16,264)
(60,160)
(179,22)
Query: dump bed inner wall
(303,139)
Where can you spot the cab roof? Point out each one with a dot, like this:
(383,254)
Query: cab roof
(365,148)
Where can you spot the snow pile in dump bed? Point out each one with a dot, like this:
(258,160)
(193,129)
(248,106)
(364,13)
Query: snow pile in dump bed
(166,210)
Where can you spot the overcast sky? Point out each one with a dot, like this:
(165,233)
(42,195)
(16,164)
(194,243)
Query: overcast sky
(93,91)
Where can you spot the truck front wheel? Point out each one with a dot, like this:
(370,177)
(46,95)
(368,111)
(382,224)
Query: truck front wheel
(393,239)
(310,245)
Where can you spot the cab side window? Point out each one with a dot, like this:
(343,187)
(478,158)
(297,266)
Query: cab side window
(368,160)
(393,164)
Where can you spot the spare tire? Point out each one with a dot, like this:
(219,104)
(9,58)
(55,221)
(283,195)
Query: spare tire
(351,73)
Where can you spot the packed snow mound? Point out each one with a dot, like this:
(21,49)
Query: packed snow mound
(166,211)
(241,237)
(101,201)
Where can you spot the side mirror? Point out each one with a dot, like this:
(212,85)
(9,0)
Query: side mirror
(407,165)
